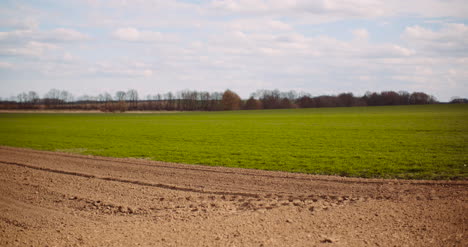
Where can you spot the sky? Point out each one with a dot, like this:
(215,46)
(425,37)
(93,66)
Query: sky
(154,46)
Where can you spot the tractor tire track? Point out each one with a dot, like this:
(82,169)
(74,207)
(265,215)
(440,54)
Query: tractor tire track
(60,199)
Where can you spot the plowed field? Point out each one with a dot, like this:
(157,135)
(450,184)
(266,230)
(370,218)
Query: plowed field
(58,199)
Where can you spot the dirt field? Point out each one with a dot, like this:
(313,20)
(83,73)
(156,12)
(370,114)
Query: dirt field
(81,111)
(58,199)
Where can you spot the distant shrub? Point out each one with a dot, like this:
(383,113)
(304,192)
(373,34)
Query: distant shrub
(230,100)
(457,100)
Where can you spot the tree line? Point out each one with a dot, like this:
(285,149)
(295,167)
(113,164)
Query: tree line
(191,100)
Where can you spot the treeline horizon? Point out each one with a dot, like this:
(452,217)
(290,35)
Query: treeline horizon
(191,100)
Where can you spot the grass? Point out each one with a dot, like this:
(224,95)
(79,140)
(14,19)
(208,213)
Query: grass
(415,142)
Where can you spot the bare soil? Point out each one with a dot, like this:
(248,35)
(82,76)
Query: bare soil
(59,199)
(80,111)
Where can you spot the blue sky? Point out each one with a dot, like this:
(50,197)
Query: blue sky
(321,47)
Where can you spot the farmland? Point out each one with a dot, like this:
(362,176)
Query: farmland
(68,198)
(413,142)
(62,199)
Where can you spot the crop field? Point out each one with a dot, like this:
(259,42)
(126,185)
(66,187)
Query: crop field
(415,142)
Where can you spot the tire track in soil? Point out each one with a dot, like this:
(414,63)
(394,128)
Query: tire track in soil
(163,186)
(236,171)
(242,201)
(67,199)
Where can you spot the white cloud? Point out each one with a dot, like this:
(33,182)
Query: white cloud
(450,40)
(120,69)
(134,35)
(384,51)
(282,7)
(428,8)
(23,23)
(128,34)
(360,34)
(258,24)
(341,9)
(39,44)
(6,65)
(31,48)
(64,34)
(16,36)
(54,35)
(451,31)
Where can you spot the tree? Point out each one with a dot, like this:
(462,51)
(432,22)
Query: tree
(22,97)
(404,97)
(204,98)
(253,104)
(169,99)
(231,101)
(132,97)
(420,98)
(216,101)
(458,100)
(271,99)
(346,99)
(33,97)
(65,96)
(52,98)
(53,94)
(120,96)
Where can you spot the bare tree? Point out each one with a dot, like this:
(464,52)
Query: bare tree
(132,95)
(33,97)
(271,99)
(52,98)
(66,96)
(107,97)
(120,96)
(53,94)
(22,97)
(169,98)
(188,100)
(404,98)
(100,97)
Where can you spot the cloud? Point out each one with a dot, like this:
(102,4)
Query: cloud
(6,65)
(120,69)
(134,35)
(450,40)
(23,23)
(30,49)
(297,46)
(360,34)
(39,44)
(54,35)
(342,9)
(303,7)
(451,31)
(16,35)
(428,8)
(64,34)
(258,24)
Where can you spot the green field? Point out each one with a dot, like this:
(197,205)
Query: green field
(423,142)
